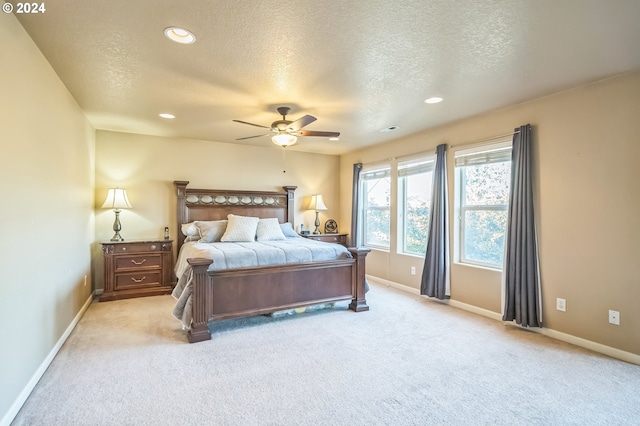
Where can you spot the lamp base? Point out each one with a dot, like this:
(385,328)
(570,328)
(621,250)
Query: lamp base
(117,227)
(117,237)
(317,223)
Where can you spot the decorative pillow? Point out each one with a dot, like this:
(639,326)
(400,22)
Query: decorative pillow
(269,230)
(191,238)
(287,230)
(189,229)
(210,231)
(240,228)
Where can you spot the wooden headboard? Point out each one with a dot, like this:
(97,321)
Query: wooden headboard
(216,204)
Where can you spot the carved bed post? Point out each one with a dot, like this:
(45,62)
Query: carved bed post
(201,300)
(359,303)
(182,215)
(290,207)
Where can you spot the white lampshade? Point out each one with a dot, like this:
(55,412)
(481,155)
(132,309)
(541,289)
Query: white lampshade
(117,199)
(317,203)
(284,139)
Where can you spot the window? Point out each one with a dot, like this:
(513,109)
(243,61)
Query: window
(414,201)
(482,184)
(376,188)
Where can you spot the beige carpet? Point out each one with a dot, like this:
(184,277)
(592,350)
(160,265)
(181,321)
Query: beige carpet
(408,361)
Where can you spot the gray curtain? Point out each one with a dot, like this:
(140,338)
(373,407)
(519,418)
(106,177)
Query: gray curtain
(521,268)
(435,274)
(355,205)
(355,197)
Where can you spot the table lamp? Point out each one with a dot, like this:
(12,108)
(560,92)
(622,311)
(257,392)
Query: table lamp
(317,204)
(116,200)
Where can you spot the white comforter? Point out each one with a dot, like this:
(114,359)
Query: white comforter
(243,255)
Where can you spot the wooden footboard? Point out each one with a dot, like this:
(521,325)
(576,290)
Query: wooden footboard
(234,293)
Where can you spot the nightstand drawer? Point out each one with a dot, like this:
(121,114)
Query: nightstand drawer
(333,239)
(328,238)
(141,247)
(138,279)
(142,261)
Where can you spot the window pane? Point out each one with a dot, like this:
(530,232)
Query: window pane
(377,227)
(416,209)
(487,184)
(378,192)
(376,211)
(484,235)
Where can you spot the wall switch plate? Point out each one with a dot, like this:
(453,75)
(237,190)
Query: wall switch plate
(561,304)
(413,270)
(614,317)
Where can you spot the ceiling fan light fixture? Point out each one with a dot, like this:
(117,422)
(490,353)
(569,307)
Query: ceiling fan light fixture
(284,139)
(180,35)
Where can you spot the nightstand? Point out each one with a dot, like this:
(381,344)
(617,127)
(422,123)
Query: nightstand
(137,268)
(328,238)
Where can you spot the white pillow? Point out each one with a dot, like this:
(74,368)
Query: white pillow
(210,231)
(189,229)
(269,230)
(287,230)
(240,228)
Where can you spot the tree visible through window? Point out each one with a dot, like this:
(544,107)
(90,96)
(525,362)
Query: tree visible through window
(414,198)
(376,188)
(483,180)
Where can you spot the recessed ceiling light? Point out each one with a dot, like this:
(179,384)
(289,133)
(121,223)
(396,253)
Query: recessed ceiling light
(390,129)
(433,100)
(165,115)
(334,139)
(180,35)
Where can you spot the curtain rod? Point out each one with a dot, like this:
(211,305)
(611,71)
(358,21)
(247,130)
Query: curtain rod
(479,141)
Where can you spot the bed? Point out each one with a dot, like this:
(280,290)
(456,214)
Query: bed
(218,294)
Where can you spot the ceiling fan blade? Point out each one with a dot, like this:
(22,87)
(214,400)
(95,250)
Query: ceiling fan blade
(317,133)
(294,126)
(250,137)
(251,124)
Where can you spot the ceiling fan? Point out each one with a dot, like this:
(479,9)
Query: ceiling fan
(284,132)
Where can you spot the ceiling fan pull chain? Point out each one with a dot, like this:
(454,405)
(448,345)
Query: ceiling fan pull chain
(284,159)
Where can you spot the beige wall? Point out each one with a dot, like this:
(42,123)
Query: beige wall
(586,184)
(147,166)
(47,222)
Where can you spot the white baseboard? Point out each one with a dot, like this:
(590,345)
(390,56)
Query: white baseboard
(568,338)
(393,284)
(588,344)
(26,391)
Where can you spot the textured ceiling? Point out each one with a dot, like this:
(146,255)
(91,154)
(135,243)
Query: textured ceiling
(358,66)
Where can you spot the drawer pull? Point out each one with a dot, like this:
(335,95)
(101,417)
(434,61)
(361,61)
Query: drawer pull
(138,281)
(153,247)
(138,263)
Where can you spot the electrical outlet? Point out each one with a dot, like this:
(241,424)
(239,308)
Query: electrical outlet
(413,270)
(614,317)
(561,304)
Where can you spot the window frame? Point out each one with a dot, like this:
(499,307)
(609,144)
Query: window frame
(491,151)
